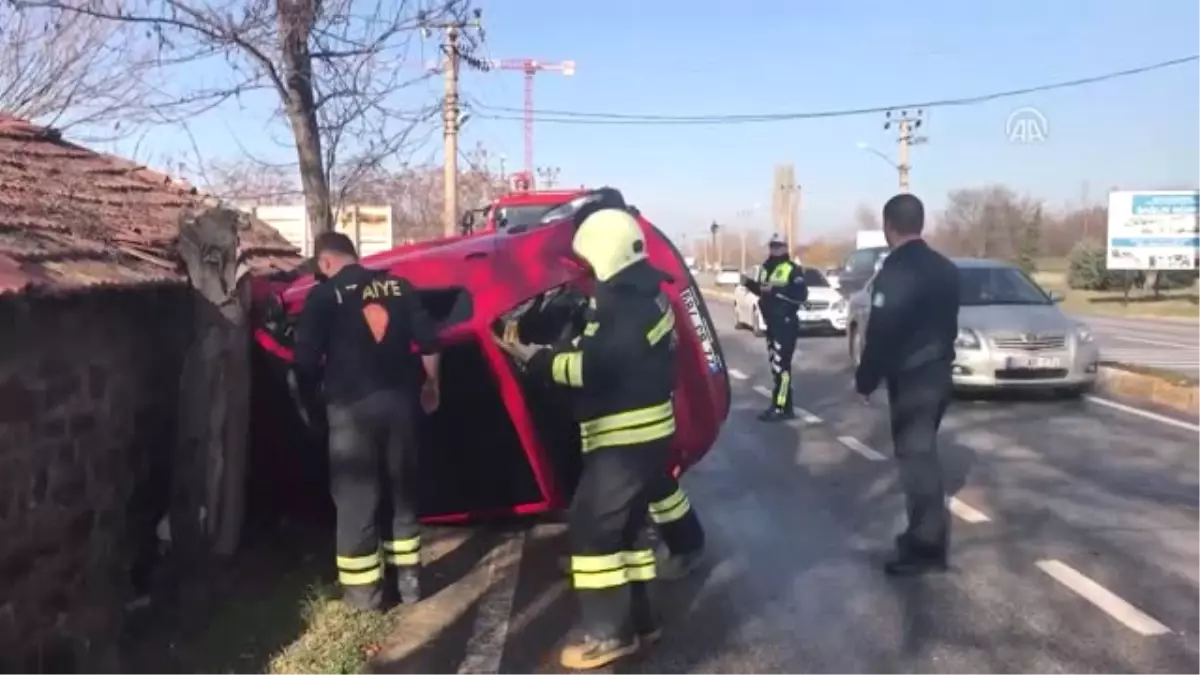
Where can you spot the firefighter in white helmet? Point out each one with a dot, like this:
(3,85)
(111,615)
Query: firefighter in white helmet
(622,373)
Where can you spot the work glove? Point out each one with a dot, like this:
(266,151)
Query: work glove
(511,344)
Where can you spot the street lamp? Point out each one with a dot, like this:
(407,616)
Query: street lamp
(867,148)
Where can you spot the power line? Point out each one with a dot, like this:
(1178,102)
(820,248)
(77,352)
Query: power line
(577,117)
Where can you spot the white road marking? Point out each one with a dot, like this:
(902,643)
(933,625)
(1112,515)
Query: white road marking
(1144,413)
(967,512)
(1161,343)
(737,374)
(862,449)
(805,416)
(486,647)
(1134,618)
(808,417)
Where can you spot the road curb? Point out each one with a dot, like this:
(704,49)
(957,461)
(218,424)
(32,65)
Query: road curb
(1110,379)
(1127,384)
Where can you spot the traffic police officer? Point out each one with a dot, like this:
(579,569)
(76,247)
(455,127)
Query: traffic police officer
(361,325)
(622,372)
(781,292)
(910,344)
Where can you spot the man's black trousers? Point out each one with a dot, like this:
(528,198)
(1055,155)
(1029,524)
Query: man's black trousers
(672,513)
(372,445)
(781,345)
(917,400)
(610,564)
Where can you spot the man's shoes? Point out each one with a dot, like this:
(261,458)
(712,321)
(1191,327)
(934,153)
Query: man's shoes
(674,567)
(408,585)
(913,558)
(776,415)
(589,651)
(366,598)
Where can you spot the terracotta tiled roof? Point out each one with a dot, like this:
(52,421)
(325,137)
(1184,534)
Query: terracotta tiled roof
(72,218)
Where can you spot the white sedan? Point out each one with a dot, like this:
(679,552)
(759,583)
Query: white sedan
(824,311)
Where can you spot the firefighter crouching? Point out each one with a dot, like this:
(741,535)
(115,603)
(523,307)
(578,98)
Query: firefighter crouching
(362,324)
(621,369)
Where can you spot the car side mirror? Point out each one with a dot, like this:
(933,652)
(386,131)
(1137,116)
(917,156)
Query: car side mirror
(1056,296)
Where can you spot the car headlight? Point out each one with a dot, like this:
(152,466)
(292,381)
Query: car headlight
(838,306)
(967,339)
(1084,334)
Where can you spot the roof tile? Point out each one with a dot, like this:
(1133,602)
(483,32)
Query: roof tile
(72,218)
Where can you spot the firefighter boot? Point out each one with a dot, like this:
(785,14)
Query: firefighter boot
(363,597)
(605,634)
(676,566)
(408,584)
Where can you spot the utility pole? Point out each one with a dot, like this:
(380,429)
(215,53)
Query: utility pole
(714,229)
(906,128)
(452,55)
(742,240)
(548,175)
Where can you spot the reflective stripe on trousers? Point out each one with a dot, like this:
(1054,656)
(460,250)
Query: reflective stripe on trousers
(670,509)
(596,572)
(360,570)
(402,552)
(631,427)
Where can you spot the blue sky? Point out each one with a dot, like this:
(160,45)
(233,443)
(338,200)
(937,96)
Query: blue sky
(766,56)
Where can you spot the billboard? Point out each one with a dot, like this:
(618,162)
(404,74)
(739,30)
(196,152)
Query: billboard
(1154,230)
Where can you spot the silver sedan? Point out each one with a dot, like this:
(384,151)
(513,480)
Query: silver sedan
(1011,333)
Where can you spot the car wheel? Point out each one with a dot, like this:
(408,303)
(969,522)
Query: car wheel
(757,325)
(1072,393)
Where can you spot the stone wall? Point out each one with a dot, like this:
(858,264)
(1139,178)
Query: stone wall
(88,390)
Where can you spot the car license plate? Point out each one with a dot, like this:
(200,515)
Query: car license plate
(1034,363)
(809,316)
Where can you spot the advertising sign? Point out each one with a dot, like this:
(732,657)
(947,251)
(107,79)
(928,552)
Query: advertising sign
(1154,230)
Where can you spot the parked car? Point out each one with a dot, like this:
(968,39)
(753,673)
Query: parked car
(728,276)
(824,311)
(1011,333)
(859,267)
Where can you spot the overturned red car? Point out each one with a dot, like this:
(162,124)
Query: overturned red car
(499,444)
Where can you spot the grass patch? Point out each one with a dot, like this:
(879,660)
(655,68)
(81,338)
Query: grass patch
(272,609)
(1183,303)
(1168,376)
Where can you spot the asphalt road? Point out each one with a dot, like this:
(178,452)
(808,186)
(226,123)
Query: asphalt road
(1075,547)
(1170,344)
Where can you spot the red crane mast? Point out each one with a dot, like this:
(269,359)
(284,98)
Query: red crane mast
(531,67)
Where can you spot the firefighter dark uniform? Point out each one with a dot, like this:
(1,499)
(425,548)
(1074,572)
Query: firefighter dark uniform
(670,511)
(622,372)
(678,527)
(910,344)
(781,291)
(363,324)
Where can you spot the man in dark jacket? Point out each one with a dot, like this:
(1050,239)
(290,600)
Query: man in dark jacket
(355,336)
(910,339)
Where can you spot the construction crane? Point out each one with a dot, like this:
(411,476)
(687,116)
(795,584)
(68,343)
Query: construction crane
(531,67)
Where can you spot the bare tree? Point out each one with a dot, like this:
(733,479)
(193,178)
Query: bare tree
(70,71)
(248,183)
(990,222)
(337,68)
